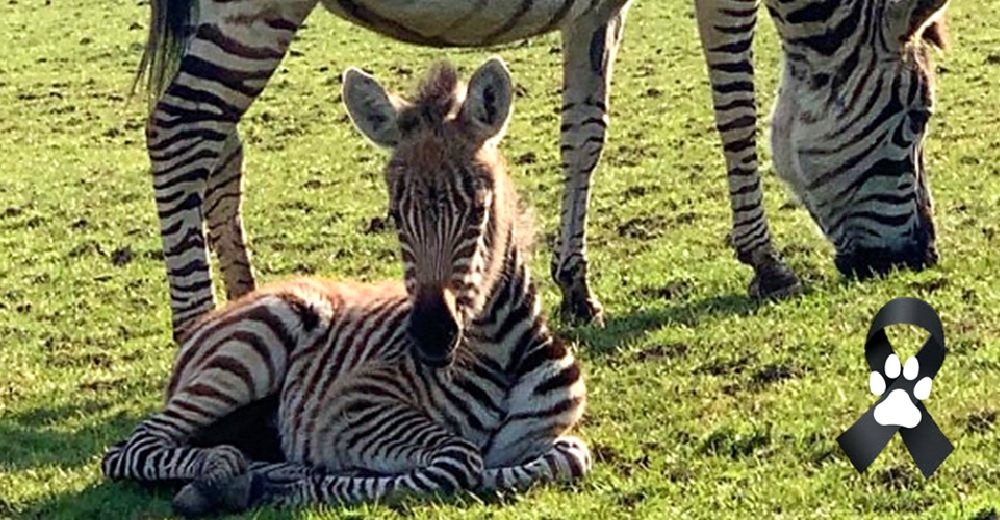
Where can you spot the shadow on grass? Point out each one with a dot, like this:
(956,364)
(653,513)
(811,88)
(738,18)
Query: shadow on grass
(132,500)
(103,500)
(40,437)
(620,328)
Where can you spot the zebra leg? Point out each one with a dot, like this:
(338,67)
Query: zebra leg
(220,372)
(151,457)
(451,466)
(223,202)
(726,28)
(449,463)
(234,49)
(154,453)
(567,459)
(589,49)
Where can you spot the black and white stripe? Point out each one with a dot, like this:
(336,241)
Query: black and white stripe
(346,392)
(848,126)
(209,59)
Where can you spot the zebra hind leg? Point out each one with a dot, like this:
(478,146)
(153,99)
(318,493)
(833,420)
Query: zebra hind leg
(149,456)
(262,484)
(223,202)
(567,460)
(234,48)
(589,50)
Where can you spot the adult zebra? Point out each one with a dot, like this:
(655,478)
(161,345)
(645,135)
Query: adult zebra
(855,98)
(450,380)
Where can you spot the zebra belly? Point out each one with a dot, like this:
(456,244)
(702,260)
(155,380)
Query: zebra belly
(457,23)
(252,429)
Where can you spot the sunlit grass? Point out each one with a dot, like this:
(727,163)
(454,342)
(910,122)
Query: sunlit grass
(703,404)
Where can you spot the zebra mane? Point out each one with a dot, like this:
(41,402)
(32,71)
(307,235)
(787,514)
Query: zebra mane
(440,93)
(439,97)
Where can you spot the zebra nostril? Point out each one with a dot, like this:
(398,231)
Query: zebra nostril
(434,328)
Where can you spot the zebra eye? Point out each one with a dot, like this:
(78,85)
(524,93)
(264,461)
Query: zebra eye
(918,120)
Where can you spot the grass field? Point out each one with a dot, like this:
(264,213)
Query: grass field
(703,404)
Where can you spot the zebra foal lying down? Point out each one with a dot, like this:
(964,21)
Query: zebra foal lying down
(450,380)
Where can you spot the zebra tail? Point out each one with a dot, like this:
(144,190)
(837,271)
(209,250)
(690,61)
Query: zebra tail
(170,23)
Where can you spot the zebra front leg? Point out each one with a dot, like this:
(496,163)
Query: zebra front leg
(544,404)
(223,66)
(223,202)
(452,466)
(446,463)
(589,49)
(567,460)
(726,28)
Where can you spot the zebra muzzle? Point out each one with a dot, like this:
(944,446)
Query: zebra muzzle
(434,327)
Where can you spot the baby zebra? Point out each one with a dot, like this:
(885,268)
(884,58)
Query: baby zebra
(448,381)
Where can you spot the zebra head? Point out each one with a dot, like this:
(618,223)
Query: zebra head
(848,129)
(447,183)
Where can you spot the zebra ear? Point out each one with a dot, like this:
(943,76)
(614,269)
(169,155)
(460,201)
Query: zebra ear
(488,100)
(910,17)
(372,110)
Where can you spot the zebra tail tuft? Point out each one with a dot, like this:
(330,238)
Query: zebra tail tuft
(170,23)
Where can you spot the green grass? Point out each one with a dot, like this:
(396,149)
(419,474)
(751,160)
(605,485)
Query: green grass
(703,404)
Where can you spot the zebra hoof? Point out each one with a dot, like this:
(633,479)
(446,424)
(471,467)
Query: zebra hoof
(775,281)
(577,308)
(205,497)
(576,450)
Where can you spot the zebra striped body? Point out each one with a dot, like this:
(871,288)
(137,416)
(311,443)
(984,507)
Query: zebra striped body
(352,398)
(855,76)
(450,380)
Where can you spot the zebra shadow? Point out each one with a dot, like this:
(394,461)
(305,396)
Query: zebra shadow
(620,329)
(104,499)
(41,437)
(133,500)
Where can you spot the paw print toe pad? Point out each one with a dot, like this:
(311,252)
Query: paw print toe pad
(922,390)
(911,369)
(877,383)
(892,366)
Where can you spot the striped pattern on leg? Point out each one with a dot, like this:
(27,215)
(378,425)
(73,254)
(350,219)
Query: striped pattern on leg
(224,65)
(726,28)
(567,460)
(589,49)
(454,465)
(223,203)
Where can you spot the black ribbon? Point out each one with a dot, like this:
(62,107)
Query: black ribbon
(867,438)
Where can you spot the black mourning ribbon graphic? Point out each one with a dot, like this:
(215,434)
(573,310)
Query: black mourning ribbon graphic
(867,438)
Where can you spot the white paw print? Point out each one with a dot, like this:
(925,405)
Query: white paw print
(898,409)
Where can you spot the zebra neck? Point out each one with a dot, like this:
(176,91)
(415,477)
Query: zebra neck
(807,27)
(511,322)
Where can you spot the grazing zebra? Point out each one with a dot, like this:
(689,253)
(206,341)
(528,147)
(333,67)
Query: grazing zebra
(855,98)
(450,380)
